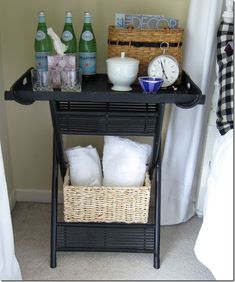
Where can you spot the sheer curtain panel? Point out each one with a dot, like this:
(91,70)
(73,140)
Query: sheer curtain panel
(185,134)
(9,267)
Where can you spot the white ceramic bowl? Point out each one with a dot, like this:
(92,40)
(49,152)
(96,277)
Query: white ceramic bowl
(122,72)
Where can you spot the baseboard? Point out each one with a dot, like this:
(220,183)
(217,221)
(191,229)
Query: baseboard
(199,213)
(12,199)
(38,196)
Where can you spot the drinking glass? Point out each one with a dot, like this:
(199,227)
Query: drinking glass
(71,80)
(41,80)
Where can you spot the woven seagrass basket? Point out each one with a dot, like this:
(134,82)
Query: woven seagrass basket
(106,204)
(145,44)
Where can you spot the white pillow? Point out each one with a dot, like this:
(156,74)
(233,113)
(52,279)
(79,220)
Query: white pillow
(124,162)
(85,166)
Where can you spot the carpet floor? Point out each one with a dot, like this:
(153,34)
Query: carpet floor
(31,224)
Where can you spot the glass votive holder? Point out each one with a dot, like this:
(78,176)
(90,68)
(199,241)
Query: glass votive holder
(41,80)
(71,80)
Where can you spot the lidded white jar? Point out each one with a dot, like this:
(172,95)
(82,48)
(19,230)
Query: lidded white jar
(122,72)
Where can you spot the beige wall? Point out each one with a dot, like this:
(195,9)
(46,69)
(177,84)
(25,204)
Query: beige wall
(30,131)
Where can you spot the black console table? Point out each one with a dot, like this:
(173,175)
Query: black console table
(98,110)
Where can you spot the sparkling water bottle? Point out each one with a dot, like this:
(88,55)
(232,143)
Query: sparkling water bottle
(87,49)
(68,36)
(42,44)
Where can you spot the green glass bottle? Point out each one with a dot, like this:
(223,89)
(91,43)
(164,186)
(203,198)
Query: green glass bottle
(87,49)
(68,36)
(42,43)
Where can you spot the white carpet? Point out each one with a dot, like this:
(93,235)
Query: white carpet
(31,223)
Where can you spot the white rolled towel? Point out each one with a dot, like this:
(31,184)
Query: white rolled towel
(85,166)
(124,162)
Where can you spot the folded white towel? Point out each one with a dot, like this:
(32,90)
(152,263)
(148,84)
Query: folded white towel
(85,166)
(124,162)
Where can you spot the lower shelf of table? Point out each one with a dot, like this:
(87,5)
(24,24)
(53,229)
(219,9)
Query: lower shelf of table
(105,237)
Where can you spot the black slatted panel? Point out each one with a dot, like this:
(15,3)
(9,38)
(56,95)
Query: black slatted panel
(106,118)
(103,106)
(73,124)
(81,106)
(74,237)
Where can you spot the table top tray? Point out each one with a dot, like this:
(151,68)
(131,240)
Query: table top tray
(186,95)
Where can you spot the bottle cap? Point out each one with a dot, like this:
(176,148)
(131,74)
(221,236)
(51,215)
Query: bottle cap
(68,14)
(41,13)
(87,14)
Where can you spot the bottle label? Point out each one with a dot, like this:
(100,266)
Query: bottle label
(40,35)
(67,35)
(87,36)
(41,60)
(88,63)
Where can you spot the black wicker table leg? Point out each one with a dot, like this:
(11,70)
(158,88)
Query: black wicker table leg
(54,200)
(157,212)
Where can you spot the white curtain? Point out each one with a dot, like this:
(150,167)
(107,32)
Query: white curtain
(184,140)
(9,268)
